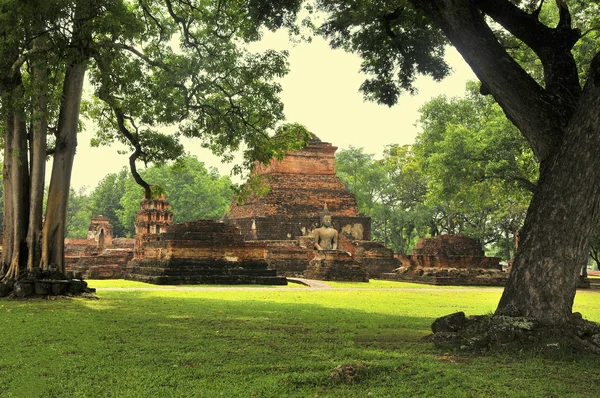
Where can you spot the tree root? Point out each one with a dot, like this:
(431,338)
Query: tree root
(12,272)
(38,283)
(487,333)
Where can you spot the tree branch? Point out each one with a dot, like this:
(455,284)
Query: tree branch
(137,153)
(523,100)
(552,45)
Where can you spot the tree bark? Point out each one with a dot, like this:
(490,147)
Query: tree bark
(38,147)
(53,234)
(562,215)
(7,238)
(16,188)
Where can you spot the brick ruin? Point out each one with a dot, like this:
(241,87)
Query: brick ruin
(450,260)
(202,252)
(272,235)
(99,256)
(300,185)
(151,220)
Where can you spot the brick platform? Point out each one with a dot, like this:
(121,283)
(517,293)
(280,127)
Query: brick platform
(335,265)
(202,252)
(450,260)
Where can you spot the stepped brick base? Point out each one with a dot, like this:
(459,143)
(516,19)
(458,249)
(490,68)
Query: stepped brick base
(202,252)
(335,265)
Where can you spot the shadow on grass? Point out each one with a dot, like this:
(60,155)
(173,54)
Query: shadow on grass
(255,344)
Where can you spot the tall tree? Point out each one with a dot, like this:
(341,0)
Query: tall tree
(361,175)
(557,115)
(153,63)
(390,190)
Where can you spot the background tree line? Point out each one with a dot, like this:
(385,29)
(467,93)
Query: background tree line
(469,171)
(192,190)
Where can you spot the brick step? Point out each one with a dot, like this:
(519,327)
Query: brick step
(211,280)
(195,264)
(200,271)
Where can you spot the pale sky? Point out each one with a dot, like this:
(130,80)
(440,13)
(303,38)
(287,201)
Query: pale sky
(320,92)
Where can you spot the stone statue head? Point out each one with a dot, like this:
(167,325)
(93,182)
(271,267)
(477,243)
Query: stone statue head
(326,221)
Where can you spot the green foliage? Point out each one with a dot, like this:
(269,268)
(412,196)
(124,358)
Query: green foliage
(241,343)
(106,200)
(355,168)
(79,214)
(184,67)
(395,41)
(480,170)
(469,172)
(193,192)
(389,190)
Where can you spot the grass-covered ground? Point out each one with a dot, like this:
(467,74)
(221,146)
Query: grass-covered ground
(268,343)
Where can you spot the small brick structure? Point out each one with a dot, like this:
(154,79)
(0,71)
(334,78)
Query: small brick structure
(202,252)
(450,260)
(299,186)
(99,256)
(100,232)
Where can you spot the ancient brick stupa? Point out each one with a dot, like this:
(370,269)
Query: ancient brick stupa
(300,186)
(450,260)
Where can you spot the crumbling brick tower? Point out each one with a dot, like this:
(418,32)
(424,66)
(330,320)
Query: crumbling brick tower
(151,220)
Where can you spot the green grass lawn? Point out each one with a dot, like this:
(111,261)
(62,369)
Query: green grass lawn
(267,343)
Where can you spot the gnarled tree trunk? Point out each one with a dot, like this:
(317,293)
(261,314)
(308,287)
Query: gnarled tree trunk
(554,242)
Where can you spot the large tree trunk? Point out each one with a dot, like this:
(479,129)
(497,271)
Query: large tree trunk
(66,142)
(7,236)
(562,124)
(38,147)
(16,187)
(562,215)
